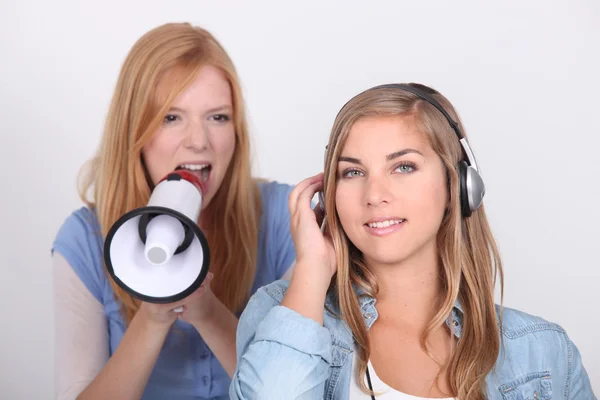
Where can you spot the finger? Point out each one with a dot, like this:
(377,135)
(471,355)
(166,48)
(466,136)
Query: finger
(293,196)
(304,198)
(299,188)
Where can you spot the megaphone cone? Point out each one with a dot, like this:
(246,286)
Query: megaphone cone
(157,253)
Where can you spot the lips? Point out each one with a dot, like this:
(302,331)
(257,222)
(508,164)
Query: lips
(384,225)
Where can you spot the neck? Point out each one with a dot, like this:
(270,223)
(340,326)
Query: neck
(411,289)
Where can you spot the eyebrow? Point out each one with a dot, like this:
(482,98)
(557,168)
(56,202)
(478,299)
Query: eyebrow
(225,107)
(389,157)
(209,111)
(401,153)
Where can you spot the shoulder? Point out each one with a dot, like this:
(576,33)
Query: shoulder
(80,221)
(273,292)
(518,324)
(271,295)
(79,240)
(275,214)
(259,305)
(79,232)
(535,345)
(272,192)
(521,331)
(537,355)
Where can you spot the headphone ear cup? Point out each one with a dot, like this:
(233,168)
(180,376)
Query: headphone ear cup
(475,188)
(463,170)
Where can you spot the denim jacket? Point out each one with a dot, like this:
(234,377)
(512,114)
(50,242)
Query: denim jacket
(283,355)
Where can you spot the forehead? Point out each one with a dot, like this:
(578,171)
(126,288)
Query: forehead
(208,87)
(383,135)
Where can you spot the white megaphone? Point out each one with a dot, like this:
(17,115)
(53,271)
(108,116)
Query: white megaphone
(157,253)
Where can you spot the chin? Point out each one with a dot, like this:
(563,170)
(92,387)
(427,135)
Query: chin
(386,259)
(393,251)
(386,256)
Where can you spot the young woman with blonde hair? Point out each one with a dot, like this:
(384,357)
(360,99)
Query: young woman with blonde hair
(396,300)
(177,104)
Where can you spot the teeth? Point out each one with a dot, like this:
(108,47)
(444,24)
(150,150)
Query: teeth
(204,168)
(384,224)
(194,167)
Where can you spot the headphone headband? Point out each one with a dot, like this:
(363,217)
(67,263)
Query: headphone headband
(425,96)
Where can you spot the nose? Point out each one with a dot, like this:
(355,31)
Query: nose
(377,192)
(196,136)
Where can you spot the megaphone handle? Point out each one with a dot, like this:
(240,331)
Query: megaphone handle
(178,309)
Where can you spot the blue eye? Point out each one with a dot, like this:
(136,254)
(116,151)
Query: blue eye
(351,173)
(406,168)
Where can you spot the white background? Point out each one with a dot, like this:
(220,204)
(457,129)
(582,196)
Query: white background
(522,74)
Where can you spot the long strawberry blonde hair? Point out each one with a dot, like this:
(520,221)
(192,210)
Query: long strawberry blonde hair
(469,258)
(118,181)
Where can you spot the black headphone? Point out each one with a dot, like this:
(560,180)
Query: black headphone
(472,188)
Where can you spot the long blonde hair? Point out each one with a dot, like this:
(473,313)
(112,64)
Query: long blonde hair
(119,178)
(469,258)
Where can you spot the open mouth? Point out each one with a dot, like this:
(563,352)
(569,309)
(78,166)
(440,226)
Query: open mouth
(384,224)
(202,171)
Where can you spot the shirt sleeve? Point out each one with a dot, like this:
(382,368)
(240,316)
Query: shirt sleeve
(81,341)
(578,382)
(280,353)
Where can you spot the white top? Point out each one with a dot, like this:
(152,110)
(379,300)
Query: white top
(382,391)
(81,332)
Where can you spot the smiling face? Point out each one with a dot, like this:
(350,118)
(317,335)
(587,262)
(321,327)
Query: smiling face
(391,190)
(197,133)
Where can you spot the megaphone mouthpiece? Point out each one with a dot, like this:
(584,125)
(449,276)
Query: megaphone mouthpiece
(164,234)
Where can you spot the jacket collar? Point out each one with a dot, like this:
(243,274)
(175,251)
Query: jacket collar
(368,309)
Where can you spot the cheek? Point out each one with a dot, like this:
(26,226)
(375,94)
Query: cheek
(429,202)
(347,207)
(150,156)
(223,143)
(158,155)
